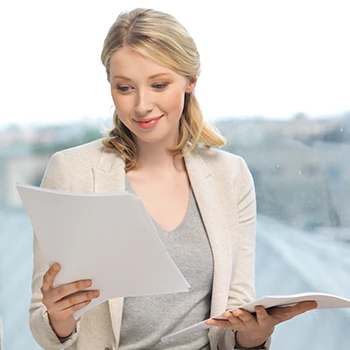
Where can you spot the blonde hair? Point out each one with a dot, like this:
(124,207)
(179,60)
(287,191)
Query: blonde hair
(158,36)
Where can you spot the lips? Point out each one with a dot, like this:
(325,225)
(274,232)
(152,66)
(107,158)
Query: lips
(148,123)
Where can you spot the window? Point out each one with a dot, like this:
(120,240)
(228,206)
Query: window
(278,71)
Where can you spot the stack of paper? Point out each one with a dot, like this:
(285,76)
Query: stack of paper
(109,238)
(324,301)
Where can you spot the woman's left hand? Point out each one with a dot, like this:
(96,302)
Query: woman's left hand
(252,329)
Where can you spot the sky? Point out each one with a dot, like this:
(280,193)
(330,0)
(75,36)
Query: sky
(259,58)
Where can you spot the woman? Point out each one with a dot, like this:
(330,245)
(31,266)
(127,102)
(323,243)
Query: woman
(201,200)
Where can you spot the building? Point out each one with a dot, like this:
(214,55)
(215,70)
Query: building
(300,167)
(20,165)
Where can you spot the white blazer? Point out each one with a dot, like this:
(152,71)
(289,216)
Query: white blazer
(224,190)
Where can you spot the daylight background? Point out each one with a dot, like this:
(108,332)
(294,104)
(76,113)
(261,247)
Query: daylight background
(275,81)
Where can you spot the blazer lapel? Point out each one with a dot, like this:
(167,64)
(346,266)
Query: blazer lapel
(208,199)
(109,176)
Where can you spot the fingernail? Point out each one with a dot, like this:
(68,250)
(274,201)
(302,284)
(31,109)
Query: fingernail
(87,283)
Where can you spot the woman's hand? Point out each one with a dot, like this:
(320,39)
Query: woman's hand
(253,330)
(63,301)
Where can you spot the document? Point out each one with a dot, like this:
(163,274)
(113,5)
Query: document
(109,238)
(324,301)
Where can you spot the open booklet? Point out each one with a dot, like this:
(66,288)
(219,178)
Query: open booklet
(324,301)
(109,238)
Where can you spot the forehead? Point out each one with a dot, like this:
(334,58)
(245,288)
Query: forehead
(130,62)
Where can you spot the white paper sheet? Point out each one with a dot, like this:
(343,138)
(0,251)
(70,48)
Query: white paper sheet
(324,301)
(109,238)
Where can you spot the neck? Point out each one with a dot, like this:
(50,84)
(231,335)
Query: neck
(155,158)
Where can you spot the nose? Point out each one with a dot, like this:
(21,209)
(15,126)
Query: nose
(144,103)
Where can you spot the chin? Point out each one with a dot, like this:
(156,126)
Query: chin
(158,139)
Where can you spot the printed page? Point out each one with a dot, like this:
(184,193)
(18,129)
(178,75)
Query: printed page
(109,238)
(324,301)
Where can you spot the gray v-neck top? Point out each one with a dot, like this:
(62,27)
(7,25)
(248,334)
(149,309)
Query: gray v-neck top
(146,319)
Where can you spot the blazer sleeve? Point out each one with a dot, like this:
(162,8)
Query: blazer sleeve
(55,177)
(242,288)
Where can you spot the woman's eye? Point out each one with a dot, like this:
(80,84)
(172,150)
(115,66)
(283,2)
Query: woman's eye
(123,88)
(160,86)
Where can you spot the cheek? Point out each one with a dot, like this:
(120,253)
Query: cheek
(117,99)
(175,102)
(122,105)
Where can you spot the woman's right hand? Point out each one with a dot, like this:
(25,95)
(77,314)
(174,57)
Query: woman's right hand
(63,301)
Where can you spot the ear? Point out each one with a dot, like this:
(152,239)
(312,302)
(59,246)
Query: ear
(191,84)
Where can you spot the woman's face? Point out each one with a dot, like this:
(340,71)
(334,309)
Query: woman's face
(149,98)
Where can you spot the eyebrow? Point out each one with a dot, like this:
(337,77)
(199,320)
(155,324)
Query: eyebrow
(149,78)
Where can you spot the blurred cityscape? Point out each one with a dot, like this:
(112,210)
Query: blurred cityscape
(301,170)
(25,152)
